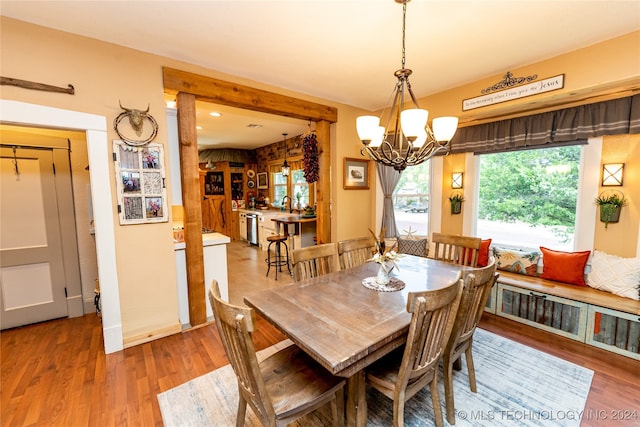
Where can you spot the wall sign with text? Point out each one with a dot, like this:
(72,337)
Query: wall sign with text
(515,92)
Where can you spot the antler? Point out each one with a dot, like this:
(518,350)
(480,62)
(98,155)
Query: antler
(125,109)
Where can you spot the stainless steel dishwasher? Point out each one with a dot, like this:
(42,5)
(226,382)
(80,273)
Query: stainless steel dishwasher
(252,229)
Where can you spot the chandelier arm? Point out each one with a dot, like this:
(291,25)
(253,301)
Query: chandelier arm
(413,97)
(396,96)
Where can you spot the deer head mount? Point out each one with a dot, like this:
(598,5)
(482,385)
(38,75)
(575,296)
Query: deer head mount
(136,121)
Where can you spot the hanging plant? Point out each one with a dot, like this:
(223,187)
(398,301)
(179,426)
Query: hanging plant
(610,207)
(310,159)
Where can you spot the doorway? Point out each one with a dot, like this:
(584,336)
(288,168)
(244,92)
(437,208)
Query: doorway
(21,113)
(31,254)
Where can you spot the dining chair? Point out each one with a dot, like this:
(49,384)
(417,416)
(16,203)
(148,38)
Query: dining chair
(405,371)
(283,387)
(355,252)
(472,303)
(461,250)
(314,261)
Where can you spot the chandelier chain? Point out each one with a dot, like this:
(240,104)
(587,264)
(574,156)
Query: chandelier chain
(404,24)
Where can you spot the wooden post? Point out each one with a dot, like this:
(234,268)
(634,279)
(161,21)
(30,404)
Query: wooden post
(191,201)
(323,186)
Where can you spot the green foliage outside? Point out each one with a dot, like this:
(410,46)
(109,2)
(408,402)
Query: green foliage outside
(415,177)
(538,187)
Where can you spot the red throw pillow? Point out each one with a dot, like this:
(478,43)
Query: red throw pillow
(483,253)
(566,267)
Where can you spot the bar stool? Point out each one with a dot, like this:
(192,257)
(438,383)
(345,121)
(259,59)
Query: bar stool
(278,262)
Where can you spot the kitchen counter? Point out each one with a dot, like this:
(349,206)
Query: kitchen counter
(208,239)
(215,267)
(293,219)
(303,233)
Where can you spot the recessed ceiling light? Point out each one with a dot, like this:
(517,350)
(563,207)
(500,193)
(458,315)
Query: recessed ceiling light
(199,127)
(254,126)
(215,114)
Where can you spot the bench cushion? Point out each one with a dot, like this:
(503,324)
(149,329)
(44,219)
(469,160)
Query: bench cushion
(620,276)
(565,267)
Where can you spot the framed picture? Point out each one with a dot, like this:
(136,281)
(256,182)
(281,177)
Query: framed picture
(356,174)
(142,196)
(263,180)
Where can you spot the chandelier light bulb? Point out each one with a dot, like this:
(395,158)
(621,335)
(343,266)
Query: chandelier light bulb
(420,139)
(378,137)
(367,126)
(444,128)
(413,122)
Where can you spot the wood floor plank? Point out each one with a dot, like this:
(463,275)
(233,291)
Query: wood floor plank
(56,373)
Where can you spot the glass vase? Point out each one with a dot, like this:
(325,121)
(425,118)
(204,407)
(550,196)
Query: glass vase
(383,273)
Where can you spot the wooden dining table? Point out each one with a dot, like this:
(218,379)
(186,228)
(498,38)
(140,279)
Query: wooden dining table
(345,326)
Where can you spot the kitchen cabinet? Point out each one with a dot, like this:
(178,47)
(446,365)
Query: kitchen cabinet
(215,267)
(222,187)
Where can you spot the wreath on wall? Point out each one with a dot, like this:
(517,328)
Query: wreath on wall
(310,158)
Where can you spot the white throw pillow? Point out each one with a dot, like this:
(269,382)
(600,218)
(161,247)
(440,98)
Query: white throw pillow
(620,276)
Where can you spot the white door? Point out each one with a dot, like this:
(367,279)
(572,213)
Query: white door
(32,277)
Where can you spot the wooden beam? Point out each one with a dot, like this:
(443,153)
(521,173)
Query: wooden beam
(191,201)
(323,185)
(240,96)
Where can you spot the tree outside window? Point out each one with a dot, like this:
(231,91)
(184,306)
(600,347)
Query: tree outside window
(528,198)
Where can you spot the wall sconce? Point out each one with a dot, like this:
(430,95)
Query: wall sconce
(612,174)
(456,180)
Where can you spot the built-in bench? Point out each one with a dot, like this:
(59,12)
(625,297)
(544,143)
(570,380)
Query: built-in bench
(585,314)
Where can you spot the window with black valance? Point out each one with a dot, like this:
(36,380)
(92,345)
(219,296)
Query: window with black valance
(566,126)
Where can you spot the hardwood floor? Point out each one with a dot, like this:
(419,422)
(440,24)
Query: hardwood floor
(56,373)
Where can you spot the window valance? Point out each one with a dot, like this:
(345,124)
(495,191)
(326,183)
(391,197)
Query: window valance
(570,125)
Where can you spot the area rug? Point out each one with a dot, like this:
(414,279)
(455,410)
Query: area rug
(517,386)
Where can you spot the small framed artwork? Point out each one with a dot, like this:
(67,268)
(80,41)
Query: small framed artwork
(356,174)
(263,180)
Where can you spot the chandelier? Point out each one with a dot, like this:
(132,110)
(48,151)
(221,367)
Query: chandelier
(411,141)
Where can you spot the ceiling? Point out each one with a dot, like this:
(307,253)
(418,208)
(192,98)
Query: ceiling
(340,50)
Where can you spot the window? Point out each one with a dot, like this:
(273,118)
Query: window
(294,185)
(528,198)
(411,200)
(300,188)
(279,187)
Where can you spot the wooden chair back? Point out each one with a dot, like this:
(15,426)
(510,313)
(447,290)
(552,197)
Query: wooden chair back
(461,250)
(235,325)
(430,313)
(355,252)
(314,261)
(401,378)
(293,385)
(474,298)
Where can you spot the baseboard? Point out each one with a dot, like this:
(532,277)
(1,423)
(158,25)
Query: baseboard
(75,306)
(150,336)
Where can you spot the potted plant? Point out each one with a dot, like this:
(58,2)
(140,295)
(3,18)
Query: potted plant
(456,203)
(610,207)
(298,204)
